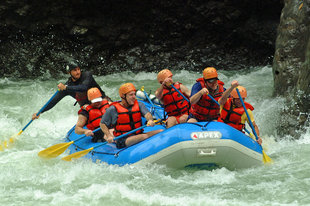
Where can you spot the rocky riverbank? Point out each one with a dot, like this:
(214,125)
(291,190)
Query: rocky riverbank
(38,37)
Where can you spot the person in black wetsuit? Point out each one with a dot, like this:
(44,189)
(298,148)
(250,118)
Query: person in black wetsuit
(76,86)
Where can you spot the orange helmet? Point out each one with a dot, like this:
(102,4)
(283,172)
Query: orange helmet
(209,73)
(94,95)
(242,92)
(125,88)
(163,74)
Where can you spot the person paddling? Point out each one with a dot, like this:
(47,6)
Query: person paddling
(175,105)
(232,111)
(125,116)
(90,115)
(204,108)
(76,86)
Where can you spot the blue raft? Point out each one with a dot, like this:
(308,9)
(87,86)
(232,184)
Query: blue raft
(202,144)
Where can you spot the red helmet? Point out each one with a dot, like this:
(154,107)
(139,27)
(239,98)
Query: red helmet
(242,92)
(163,74)
(209,73)
(126,88)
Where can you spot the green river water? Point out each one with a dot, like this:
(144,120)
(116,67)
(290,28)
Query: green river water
(26,179)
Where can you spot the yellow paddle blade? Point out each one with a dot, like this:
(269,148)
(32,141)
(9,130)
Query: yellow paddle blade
(5,144)
(77,154)
(55,150)
(11,140)
(266,158)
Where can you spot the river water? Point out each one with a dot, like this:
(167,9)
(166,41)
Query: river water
(26,179)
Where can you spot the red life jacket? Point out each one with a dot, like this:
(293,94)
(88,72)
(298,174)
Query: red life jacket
(128,119)
(232,116)
(206,109)
(95,114)
(174,103)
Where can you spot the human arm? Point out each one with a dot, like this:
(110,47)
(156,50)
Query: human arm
(146,114)
(197,93)
(108,119)
(51,104)
(227,92)
(159,91)
(244,119)
(108,135)
(185,90)
(82,120)
(259,140)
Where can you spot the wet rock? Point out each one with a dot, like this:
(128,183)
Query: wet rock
(291,65)
(111,36)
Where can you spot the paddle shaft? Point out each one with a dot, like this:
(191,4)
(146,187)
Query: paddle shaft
(148,98)
(95,130)
(247,114)
(179,92)
(39,112)
(213,99)
(121,136)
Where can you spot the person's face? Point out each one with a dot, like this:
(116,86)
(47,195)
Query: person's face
(96,104)
(75,73)
(211,83)
(131,98)
(237,102)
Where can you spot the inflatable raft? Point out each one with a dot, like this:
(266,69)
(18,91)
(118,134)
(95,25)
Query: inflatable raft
(202,144)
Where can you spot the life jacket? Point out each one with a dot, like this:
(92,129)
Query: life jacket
(232,116)
(174,103)
(95,114)
(206,109)
(128,119)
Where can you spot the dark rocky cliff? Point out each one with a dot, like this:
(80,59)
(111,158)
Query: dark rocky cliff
(291,66)
(107,36)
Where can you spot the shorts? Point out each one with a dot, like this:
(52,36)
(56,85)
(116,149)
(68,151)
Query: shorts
(198,120)
(121,143)
(98,136)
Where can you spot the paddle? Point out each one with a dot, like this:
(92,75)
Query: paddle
(79,154)
(188,100)
(266,159)
(12,139)
(58,149)
(148,98)
(179,92)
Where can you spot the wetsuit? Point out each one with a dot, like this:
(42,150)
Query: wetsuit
(77,90)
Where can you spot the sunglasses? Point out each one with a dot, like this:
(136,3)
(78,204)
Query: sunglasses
(210,80)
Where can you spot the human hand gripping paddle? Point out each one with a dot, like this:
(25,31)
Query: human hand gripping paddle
(266,158)
(58,149)
(12,139)
(79,154)
(188,100)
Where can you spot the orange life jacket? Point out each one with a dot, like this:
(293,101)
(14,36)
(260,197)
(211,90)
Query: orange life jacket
(174,103)
(128,119)
(206,109)
(232,116)
(95,114)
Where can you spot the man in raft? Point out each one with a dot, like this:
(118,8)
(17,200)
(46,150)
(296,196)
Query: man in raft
(175,105)
(125,116)
(76,86)
(203,107)
(90,115)
(232,111)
